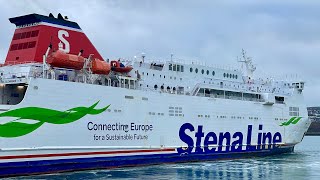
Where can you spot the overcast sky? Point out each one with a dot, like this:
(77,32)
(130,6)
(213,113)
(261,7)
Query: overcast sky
(282,37)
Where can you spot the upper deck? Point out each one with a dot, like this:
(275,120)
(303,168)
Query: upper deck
(171,77)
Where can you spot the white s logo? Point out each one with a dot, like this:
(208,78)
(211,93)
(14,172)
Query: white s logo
(63,45)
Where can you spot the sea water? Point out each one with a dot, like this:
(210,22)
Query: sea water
(304,163)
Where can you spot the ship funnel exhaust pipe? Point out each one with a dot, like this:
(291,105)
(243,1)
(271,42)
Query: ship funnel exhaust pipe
(80,52)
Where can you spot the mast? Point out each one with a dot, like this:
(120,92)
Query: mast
(250,68)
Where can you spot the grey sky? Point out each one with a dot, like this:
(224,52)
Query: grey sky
(282,37)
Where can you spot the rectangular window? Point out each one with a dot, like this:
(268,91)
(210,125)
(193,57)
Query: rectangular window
(14,47)
(178,67)
(174,68)
(34,33)
(181,68)
(28,34)
(20,46)
(25,45)
(23,35)
(16,36)
(128,97)
(293,111)
(170,67)
(32,44)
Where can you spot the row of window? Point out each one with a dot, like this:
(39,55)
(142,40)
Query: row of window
(233,76)
(26,45)
(202,71)
(201,116)
(25,35)
(206,92)
(115,110)
(281,119)
(175,111)
(153,114)
(176,67)
(161,76)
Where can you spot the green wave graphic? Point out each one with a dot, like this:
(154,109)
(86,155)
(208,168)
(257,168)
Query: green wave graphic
(42,115)
(293,120)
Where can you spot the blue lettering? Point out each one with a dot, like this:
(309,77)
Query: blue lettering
(213,143)
(249,134)
(227,137)
(277,138)
(208,142)
(237,145)
(265,137)
(185,138)
(199,135)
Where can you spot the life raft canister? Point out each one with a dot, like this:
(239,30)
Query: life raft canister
(63,60)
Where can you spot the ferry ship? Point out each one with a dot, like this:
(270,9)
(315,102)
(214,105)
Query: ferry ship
(65,108)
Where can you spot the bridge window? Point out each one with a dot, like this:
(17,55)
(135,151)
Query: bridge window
(177,67)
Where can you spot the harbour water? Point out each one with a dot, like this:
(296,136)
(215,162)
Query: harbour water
(304,163)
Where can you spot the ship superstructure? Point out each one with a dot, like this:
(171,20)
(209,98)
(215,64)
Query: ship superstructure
(65,108)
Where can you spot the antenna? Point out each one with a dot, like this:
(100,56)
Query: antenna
(250,68)
(143,55)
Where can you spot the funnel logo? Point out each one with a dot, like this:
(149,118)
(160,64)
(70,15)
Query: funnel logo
(64,45)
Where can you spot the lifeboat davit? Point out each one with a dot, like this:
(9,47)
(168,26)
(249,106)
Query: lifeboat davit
(64,60)
(119,67)
(100,67)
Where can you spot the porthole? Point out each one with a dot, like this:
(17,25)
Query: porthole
(236,76)
(155,86)
(227,75)
(196,70)
(147,74)
(207,72)
(164,76)
(213,73)
(191,69)
(160,75)
(202,71)
(224,74)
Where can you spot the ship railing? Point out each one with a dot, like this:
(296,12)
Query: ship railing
(12,63)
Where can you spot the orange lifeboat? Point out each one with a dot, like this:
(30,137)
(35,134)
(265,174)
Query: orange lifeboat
(100,67)
(119,67)
(64,60)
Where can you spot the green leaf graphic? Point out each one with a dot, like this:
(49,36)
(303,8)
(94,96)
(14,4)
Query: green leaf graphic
(15,128)
(293,120)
